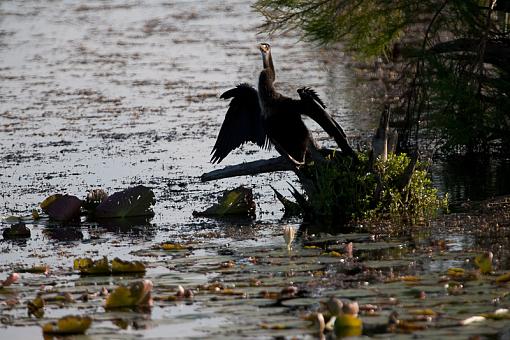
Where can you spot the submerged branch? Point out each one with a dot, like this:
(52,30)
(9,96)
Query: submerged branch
(250,168)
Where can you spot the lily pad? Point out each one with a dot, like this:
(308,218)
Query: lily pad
(18,230)
(62,208)
(484,262)
(119,266)
(36,307)
(236,202)
(89,266)
(348,325)
(132,202)
(503,278)
(136,294)
(70,324)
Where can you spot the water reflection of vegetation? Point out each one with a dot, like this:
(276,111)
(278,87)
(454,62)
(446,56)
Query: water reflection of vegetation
(472,178)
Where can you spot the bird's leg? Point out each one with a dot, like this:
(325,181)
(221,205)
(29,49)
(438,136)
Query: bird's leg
(281,151)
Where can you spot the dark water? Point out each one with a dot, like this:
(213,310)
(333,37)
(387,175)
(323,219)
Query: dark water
(474,179)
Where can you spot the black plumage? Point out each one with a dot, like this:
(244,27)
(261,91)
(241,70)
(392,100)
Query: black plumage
(266,117)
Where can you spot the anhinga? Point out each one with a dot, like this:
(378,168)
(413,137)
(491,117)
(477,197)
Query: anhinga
(266,117)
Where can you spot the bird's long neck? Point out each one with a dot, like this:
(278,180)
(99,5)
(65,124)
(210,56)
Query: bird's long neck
(266,80)
(267,61)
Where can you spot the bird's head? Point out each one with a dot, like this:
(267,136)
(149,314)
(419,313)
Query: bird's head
(267,60)
(265,48)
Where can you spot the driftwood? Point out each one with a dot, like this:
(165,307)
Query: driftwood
(250,168)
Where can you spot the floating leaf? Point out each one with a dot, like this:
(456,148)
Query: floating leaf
(18,230)
(173,246)
(40,269)
(410,278)
(409,327)
(503,278)
(62,207)
(332,253)
(348,325)
(120,266)
(484,262)
(500,314)
(36,307)
(48,201)
(11,219)
(277,326)
(89,266)
(427,312)
(136,294)
(69,324)
(132,202)
(236,202)
(456,272)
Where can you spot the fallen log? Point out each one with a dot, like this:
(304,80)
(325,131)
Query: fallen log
(250,168)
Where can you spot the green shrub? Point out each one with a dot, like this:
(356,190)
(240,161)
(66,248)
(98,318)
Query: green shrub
(345,191)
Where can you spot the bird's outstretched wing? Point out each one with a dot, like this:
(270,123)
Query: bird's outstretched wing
(243,122)
(312,106)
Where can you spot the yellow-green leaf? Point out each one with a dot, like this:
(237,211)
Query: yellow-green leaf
(503,278)
(332,253)
(136,294)
(484,262)
(348,325)
(36,307)
(69,324)
(427,312)
(172,246)
(48,201)
(120,266)
(89,266)
(456,272)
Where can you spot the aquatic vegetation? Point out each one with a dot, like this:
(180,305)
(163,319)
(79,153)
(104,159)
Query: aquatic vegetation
(347,191)
(87,266)
(16,231)
(123,267)
(67,325)
(235,202)
(136,294)
(62,207)
(131,202)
